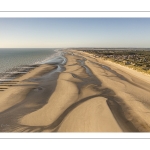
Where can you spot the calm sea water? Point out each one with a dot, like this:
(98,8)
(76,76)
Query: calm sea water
(11,58)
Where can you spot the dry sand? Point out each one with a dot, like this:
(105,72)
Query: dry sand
(66,93)
(15,94)
(10,97)
(132,87)
(68,97)
(91,116)
(86,95)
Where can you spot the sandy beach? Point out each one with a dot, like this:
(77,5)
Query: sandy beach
(76,93)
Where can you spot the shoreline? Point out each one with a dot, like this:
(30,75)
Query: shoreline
(20,69)
(134,103)
(76,93)
(130,70)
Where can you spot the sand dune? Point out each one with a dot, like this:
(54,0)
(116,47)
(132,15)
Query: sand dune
(93,115)
(11,97)
(66,93)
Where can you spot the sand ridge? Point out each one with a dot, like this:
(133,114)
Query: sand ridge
(84,95)
(91,116)
(135,99)
(15,94)
(68,96)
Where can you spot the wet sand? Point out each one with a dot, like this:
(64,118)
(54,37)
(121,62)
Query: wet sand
(76,93)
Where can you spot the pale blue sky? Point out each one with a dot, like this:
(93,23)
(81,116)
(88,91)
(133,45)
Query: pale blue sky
(74,32)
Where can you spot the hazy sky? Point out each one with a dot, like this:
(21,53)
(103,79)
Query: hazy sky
(74,32)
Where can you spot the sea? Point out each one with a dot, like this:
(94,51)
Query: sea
(12,58)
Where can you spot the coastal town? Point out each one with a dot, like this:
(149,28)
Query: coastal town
(136,59)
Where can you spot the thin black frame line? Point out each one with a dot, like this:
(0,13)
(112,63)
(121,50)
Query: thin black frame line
(77,138)
(75,11)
